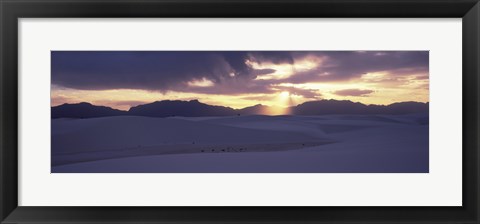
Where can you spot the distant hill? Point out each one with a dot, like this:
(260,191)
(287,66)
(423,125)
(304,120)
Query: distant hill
(406,108)
(168,108)
(330,107)
(84,110)
(324,107)
(256,109)
(194,108)
(261,109)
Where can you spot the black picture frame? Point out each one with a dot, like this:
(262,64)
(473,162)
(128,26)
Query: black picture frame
(12,10)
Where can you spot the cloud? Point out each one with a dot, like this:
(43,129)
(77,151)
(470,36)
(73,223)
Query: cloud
(306,93)
(224,72)
(353,92)
(259,97)
(345,65)
(153,70)
(134,70)
(201,83)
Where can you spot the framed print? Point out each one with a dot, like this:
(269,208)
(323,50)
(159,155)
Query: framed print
(246,112)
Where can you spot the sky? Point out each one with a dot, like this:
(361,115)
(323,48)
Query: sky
(237,79)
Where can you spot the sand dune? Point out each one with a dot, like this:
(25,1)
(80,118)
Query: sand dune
(360,143)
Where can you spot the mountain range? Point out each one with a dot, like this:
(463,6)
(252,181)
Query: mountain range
(194,108)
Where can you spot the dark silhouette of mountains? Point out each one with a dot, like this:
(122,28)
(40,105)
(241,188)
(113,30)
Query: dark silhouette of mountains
(84,110)
(194,108)
(324,107)
(168,108)
(257,109)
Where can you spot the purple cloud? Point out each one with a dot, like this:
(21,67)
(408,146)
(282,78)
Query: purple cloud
(229,71)
(353,92)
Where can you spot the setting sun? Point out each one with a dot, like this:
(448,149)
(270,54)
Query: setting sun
(284,94)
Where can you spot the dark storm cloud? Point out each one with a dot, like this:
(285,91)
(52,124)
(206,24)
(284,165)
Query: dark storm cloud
(151,70)
(135,70)
(230,71)
(276,57)
(353,92)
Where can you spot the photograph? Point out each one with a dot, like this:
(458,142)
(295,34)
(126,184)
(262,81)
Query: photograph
(258,111)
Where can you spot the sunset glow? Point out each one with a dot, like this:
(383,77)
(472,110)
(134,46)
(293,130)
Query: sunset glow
(239,79)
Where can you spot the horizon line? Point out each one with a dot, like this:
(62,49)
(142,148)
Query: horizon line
(239,108)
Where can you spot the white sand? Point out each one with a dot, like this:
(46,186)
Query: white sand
(354,143)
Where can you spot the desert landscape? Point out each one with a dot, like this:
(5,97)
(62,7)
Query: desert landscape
(242,144)
(236,111)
